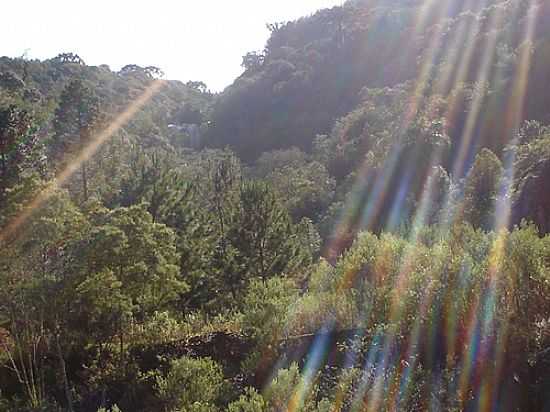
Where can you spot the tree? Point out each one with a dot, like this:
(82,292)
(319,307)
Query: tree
(153,177)
(18,145)
(153,72)
(11,82)
(233,230)
(77,118)
(304,186)
(37,291)
(531,183)
(69,58)
(253,237)
(263,237)
(199,86)
(126,243)
(252,61)
(149,72)
(22,154)
(532,130)
(482,189)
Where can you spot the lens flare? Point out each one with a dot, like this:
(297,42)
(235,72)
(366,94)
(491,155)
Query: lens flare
(466,333)
(85,154)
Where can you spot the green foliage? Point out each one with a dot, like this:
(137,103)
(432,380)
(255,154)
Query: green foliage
(154,178)
(532,162)
(191,385)
(482,189)
(160,327)
(297,79)
(348,223)
(19,148)
(265,241)
(325,302)
(37,290)
(251,401)
(304,187)
(77,120)
(291,389)
(140,252)
(236,231)
(267,304)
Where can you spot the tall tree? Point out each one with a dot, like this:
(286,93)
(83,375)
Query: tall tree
(482,188)
(15,127)
(532,182)
(153,177)
(76,119)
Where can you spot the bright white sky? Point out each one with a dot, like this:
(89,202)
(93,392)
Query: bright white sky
(189,39)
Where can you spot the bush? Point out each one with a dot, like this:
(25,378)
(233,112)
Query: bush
(267,306)
(251,401)
(292,391)
(191,385)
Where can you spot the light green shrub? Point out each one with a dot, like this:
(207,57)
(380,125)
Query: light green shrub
(251,401)
(191,385)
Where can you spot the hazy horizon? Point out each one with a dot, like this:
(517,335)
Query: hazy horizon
(187,40)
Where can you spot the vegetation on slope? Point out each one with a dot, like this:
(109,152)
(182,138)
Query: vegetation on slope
(359,222)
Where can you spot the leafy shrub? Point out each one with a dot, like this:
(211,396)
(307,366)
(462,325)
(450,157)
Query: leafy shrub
(191,385)
(251,401)
(267,305)
(160,327)
(290,390)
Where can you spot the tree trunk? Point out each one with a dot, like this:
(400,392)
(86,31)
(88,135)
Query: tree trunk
(84,181)
(63,370)
(4,164)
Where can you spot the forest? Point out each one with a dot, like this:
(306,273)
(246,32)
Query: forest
(359,222)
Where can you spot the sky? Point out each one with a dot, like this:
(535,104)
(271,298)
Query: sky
(188,39)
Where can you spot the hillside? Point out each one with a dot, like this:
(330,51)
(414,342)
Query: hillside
(314,70)
(360,221)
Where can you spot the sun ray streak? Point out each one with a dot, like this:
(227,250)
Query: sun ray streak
(472,345)
(85,154)
(313,364)
(495,19)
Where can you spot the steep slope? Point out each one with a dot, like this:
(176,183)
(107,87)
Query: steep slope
(313,70)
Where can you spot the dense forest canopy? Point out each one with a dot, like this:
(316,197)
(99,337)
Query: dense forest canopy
(361,221)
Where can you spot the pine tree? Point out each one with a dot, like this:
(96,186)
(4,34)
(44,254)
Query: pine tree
(77,118)
(481,189)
